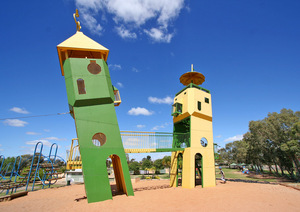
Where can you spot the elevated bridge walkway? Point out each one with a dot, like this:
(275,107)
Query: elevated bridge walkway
(138,142)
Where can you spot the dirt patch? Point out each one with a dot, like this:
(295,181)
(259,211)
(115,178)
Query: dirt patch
(156,195)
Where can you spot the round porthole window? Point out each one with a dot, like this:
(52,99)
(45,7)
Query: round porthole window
(204,142)
(93,67)
(99,139)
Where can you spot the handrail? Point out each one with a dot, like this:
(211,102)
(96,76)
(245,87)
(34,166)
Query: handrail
(37,165)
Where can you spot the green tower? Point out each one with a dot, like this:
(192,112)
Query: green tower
(92,99)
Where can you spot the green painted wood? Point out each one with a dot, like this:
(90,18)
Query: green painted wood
(94,112)
(169,149)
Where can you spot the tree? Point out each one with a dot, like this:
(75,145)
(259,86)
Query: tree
(135,167)
(158,164)
(147,163)
(274,141)
(282,131)
(127,158)
(166,161)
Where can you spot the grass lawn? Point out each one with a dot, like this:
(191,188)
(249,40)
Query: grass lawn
(229,174)
(161,176)
(235,174)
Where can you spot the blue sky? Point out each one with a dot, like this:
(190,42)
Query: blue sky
(248,51)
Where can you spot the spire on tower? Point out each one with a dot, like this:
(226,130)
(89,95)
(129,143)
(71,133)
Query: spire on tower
(78,27)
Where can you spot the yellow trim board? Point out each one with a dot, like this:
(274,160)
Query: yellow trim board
(181,117)
(202,116)
(139,150)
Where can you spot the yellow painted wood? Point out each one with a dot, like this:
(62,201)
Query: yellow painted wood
(181,117)
(80,42)
(173,168)
(139,150)
(201,127)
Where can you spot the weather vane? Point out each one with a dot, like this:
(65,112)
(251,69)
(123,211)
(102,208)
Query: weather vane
(78,27)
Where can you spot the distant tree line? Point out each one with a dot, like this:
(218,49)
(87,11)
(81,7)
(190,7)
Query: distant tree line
(147,164)
(26,160)
(273,141)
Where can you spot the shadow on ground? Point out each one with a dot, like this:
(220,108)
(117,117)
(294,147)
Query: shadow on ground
(115,191)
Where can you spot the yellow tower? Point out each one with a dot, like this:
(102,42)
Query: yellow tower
(192,114)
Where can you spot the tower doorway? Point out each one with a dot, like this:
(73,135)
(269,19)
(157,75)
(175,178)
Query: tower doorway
(116,172)
(198,169)
(179,169)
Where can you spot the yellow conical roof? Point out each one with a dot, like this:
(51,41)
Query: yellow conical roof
(80,42)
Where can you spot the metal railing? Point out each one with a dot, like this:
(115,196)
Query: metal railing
(138,142)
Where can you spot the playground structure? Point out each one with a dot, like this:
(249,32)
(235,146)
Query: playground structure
(192,114)
(43,170)
(137,142)
(92,98)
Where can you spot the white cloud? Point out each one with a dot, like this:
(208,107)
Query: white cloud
(140,126)
(15,122)
(91,23)
(19,110)
(120,85)
(1,150)
(135,70)
(218,136)
(55,139)
(114,67)
(34,142)
(234,138)
(159,35)
(140,111)
(167,100)
(132,15)
(46,130)
(157,127)
(32,133)
(125,33)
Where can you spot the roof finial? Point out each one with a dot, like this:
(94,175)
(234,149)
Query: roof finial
(192,68)
(78,27)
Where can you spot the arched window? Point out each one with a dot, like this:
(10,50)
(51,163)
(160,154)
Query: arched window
(81,86)
(199,105)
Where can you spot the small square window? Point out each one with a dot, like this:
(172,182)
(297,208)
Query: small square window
(207,100)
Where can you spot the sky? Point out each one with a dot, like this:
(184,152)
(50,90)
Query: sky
(249,52)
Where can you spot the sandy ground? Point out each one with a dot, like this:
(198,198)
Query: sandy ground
(155,195)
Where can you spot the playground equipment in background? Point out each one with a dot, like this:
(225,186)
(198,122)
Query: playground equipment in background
(92,99)
(43,170)
(138,142)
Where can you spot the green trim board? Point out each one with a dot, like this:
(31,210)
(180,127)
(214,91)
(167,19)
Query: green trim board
(191,85)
